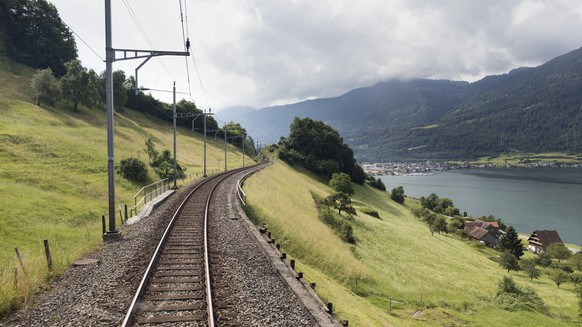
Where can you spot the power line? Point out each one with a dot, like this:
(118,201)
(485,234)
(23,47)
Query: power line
(200,80)
(80,38)
(142,30)
(158,90)
(186,42)
(185,34)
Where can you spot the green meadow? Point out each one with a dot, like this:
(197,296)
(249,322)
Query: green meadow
(516,159)
(53,178)
(438,280)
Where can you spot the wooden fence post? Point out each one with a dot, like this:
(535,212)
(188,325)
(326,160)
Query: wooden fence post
(49,258)
(20,260)
(15,270)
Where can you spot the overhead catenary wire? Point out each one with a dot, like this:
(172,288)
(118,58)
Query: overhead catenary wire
(166,91)
(186,42)
(186,37)
(80,38)
(143,32)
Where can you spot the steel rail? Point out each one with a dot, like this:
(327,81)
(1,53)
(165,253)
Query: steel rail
(145,278)
(209,306)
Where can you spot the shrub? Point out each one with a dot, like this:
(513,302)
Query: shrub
(371,212)
(512,298)
(397,194)
(133,169)
(562,266)
(376,183)
(337,223)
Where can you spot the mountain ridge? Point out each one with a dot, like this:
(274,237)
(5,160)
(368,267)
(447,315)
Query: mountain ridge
(532,109)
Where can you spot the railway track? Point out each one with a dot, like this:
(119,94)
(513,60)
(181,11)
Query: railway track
(176,287)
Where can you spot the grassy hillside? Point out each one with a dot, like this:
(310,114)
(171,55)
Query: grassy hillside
(395,258)
(53,177)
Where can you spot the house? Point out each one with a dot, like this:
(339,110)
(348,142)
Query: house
(541,239)
(483,231)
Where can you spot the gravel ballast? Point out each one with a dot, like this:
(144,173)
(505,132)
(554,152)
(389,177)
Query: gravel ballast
(99,294)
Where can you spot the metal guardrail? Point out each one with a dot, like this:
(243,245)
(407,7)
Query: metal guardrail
(239,184)
(241,194)
(150,192)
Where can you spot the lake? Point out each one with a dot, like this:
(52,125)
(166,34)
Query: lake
(526,198)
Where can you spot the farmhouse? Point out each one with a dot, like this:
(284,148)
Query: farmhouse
(541,239)
(486,232)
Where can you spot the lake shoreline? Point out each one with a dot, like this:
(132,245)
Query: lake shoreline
(527,198)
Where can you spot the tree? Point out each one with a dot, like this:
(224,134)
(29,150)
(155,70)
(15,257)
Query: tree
(558,251)
(75,83)
(341,183)
(340,201)
(439,225)
(576,278)
(558,276)
(38,36)
(529,267)
(150,148)
(397,194)
(320,148)
(511,242)
(430,202)
(543,260)
(119,90)
(92,97)
(45,87)
(377,183)
(576,260)
(508,261)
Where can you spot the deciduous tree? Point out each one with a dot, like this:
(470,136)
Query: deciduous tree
(75,83)
(341,183)
(558,276)
(508,261)
(543,260)
(45,87)
(38,36)
(576,278)
(530,269)
(576,260)
(558,251)
(340,201)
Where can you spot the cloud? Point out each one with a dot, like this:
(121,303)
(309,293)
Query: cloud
(259,53)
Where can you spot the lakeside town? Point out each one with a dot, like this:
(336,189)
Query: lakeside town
(430,167)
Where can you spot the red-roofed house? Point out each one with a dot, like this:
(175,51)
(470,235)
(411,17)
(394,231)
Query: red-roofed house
(541,239)
(486,232)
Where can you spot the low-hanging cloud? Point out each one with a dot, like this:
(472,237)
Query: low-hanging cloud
(259,53)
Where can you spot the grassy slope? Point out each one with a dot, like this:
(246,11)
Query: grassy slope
(53,176)
(396,257)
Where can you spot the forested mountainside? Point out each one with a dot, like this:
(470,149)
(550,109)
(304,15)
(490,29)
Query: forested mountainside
(528,109)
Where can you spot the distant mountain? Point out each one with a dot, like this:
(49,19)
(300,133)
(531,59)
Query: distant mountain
(528,109)
(231,113)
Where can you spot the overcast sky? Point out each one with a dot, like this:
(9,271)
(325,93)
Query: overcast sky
(259,53)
